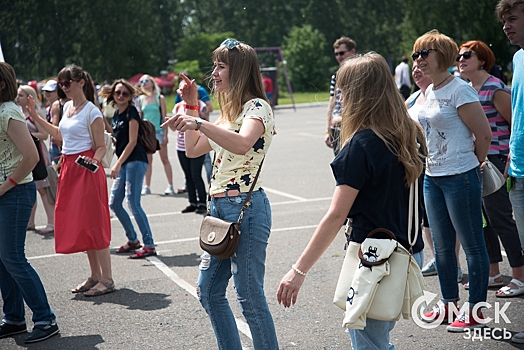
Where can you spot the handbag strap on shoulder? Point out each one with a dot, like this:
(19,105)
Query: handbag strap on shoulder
(413,215)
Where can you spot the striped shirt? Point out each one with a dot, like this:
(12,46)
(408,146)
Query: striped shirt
(335,91)
(499,126)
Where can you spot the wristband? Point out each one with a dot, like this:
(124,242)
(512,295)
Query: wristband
(10,179)
(95,160)
(192,108)
(327,133)
(298,271)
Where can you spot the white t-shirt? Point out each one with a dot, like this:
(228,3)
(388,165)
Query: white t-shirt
(450,142)
(74,129)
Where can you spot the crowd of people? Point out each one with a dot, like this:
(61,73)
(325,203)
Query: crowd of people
(438,137)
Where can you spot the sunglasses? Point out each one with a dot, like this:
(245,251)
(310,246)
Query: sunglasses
(466,55)
(340,53)
(66,84)
(230,43)
(144,81)
(422,53)
(121,92)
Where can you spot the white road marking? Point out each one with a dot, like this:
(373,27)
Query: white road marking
(284,194)
(191,289)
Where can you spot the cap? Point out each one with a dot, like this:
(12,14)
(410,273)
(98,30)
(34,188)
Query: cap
(50,85)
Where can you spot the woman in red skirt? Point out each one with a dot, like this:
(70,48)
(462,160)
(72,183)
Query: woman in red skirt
(82,213)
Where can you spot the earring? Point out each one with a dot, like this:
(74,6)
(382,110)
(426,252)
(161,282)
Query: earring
(481,67)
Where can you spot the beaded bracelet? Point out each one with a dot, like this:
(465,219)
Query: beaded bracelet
(10,179)
(298,271)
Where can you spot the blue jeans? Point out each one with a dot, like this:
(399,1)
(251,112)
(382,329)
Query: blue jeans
(129,184)
(54,152)
(375,336)
(208,166)
(19,282)
(516,196)
(247,266)
(454,206)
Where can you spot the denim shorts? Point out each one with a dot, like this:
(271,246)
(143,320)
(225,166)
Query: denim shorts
(160,136)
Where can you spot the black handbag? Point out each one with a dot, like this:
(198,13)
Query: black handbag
(40,171)
(220,237)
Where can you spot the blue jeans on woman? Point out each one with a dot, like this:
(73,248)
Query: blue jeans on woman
(19,282)
(454,206)
(375,336)
(247,266)
(128,184)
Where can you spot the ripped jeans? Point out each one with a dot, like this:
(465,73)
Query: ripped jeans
(128,184)
(247,267)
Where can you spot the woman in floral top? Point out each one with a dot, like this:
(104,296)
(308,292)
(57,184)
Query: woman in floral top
(240,139)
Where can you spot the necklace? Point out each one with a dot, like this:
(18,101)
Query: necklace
(71,112)
(442,82)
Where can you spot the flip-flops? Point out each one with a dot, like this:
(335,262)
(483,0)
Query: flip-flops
(508,292)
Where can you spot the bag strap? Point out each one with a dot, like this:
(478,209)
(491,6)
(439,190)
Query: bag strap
(413,214)
(244,206)
(89,126)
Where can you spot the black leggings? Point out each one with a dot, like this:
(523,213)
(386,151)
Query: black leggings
(192,168)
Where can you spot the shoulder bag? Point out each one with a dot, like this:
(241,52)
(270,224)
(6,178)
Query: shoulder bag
(39,171)
(492,178)
(220,237)
(387,303)
(109,141)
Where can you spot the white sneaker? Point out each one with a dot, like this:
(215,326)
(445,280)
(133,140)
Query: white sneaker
(146,190)
(169,190)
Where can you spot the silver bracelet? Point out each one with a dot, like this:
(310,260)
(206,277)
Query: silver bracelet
(298,271)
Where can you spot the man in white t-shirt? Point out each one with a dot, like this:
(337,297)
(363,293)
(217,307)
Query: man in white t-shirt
(402,78)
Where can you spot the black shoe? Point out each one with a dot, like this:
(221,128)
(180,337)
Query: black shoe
(201,210)
(189,209)
(42,332)
(7,329)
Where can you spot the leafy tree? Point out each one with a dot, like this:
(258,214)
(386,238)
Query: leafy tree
(306,62)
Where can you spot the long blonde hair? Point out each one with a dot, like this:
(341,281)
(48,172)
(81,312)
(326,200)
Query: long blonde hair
(371,101)
(245,81)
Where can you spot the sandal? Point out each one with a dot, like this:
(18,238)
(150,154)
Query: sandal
(31,227)
(49,228)
(508,292)
(110,288)
(143,253)
(84,287)
(129,247)
(491,282)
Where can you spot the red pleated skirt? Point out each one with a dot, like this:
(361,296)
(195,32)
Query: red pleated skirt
(82,220)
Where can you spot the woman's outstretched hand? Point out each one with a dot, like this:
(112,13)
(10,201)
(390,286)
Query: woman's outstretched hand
(288,289)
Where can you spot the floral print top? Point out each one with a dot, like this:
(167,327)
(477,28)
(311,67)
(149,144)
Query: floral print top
(10,156)
(234,171)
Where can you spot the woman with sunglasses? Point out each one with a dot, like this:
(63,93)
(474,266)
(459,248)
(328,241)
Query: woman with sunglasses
(129,169)
(152,107)
(415,103)
(458,138)
(474,61)
(82,211)
(240,138)
(19,282)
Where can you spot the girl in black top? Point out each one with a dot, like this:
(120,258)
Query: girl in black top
(129,169)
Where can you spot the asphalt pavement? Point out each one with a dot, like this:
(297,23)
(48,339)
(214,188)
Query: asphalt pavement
(155,306)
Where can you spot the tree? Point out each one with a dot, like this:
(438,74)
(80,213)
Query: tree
(304,52)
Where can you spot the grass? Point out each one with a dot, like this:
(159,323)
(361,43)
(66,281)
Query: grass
(283,99)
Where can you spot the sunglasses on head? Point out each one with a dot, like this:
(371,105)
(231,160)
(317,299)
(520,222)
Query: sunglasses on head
(340,53)
(466,55)
(230,43)
(146,80)
(422,53)
(66,83)
(122,92)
